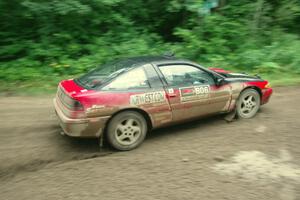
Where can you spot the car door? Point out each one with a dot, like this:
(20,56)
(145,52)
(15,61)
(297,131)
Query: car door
(188,90)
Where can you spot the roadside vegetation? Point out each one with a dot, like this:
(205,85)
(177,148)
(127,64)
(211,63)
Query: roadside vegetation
(45,41)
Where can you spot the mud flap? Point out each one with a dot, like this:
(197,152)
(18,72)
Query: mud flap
(230,117)
(101,142)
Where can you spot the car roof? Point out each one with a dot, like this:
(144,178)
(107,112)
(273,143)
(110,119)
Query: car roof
(156,60)
(163,60)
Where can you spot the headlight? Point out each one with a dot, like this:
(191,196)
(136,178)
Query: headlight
(268,85)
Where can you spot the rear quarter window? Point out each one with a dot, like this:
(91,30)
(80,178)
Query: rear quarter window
(133,79)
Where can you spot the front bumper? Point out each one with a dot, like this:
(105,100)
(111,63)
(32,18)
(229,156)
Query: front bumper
(266,94)
(86,127)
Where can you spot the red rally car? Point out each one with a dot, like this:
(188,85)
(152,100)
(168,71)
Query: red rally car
(127,98)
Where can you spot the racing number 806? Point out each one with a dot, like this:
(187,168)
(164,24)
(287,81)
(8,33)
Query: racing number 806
(202,90)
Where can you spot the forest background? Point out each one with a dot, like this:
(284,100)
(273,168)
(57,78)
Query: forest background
(44,41)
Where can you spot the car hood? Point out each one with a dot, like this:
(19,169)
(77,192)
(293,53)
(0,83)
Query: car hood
(236,76)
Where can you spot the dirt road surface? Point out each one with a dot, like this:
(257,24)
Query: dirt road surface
(206,159)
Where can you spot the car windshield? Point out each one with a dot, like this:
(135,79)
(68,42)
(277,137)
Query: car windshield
(103,74)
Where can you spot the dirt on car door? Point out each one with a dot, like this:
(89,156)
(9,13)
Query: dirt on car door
(185,103)
(220,98)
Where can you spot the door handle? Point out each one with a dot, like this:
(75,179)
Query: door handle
(172,94)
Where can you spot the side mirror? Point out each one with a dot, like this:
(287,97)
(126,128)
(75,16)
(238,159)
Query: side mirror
(220,81)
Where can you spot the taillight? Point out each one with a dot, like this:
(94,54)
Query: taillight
(68,101)
(77,105)
(72,104)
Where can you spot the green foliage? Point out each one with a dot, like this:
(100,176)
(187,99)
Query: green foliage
(43,41)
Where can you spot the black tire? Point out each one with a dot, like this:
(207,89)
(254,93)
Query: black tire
(248,104)
(127,130)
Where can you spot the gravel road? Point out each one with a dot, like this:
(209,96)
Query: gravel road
(256,159)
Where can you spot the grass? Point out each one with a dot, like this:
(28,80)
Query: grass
(282,79)
(39,86)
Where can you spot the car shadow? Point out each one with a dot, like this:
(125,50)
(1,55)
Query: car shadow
(185,126)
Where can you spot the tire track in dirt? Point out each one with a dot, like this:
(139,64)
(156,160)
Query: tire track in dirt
(38,164)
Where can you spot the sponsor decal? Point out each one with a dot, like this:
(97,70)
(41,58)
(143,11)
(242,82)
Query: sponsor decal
(194,93)
(95,109)
(148,98)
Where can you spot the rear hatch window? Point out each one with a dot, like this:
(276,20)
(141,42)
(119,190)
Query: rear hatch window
(104,74)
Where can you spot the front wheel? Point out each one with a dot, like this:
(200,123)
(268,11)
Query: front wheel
(126,130)
(248,103)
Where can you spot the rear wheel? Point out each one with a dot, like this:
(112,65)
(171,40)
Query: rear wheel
(127,130)
(248,103)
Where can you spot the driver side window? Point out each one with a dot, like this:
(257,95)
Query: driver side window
(185,75)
